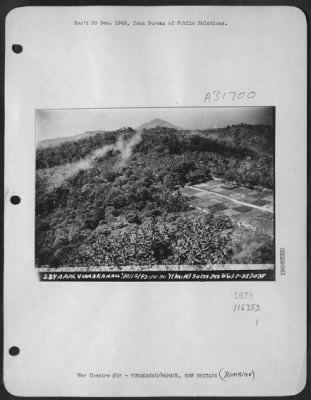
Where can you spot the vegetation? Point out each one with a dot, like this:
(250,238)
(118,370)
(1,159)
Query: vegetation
(129,211)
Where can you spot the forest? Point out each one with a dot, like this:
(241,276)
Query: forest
(124,206)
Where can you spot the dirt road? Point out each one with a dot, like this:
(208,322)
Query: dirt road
(243,203)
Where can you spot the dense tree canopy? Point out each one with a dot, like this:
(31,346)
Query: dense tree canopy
(133,213)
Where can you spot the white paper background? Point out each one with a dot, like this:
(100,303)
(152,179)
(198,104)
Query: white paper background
(65,328)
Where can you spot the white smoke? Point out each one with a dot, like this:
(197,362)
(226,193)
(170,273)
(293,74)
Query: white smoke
(57,175)
(126,147)
(89,160)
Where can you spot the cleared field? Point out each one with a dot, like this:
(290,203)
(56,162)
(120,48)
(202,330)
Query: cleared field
(252,208)
(243,209)
(190,191)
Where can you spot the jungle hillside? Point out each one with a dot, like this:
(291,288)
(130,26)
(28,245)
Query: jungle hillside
(123,198)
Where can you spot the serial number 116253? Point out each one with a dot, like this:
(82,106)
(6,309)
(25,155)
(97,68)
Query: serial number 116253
(246,307)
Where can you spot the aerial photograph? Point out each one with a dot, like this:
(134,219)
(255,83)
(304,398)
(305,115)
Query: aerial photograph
(155,189)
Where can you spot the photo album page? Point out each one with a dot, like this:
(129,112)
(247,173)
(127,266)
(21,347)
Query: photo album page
(155,201)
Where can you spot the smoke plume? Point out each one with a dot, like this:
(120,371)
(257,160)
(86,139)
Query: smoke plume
(57,175)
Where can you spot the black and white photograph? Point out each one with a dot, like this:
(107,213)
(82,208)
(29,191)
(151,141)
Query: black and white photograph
(155,201)
(155,189)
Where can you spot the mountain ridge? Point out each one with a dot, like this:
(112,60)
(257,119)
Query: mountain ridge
(60,140)
(158,123)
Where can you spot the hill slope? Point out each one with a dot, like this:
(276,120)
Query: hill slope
(158,123)
(43,144)
(118,213)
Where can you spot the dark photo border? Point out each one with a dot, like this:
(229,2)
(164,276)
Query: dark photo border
(124,275)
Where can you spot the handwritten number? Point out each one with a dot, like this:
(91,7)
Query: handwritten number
(233,95)
(217,95)
(207,97)
(246,307)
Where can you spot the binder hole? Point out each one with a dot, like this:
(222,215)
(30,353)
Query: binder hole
(15,200)
(17,48)
(14,350)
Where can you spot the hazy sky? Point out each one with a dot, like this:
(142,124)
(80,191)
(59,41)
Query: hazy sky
(52,124)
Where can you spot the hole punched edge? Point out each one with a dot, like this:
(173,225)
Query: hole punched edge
(15,199)
(17,48)
(14,351)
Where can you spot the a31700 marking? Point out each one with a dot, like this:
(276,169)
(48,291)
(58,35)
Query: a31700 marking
(219,95)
